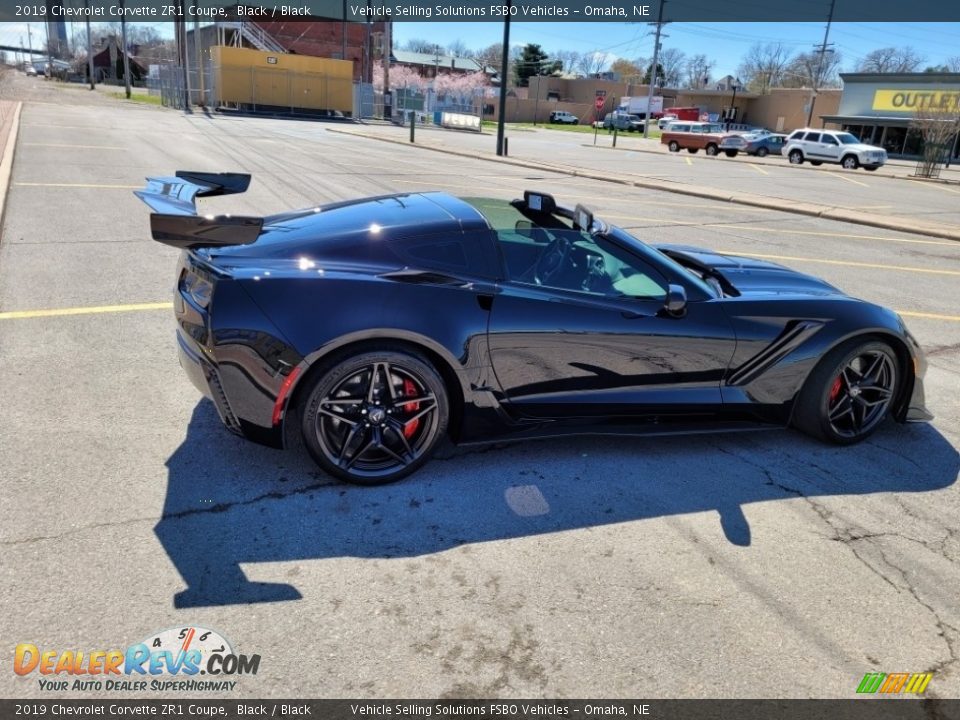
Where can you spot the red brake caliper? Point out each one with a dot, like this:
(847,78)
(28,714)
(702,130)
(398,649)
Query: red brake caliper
(835,389)
(410,390)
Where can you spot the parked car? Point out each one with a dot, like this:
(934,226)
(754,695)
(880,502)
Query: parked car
(562,117)
(32,71)
(753,143)
(666,120)
(693,136)
(482,319)
(623,121)
(832,146)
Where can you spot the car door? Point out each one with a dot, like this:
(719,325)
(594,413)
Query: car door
(594,339)
(830,148)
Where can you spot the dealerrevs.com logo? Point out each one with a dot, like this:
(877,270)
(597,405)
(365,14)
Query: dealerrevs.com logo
(169,661)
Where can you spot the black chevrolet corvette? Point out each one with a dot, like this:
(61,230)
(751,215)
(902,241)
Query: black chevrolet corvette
(374,327)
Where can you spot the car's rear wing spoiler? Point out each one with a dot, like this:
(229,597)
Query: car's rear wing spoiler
(175,221)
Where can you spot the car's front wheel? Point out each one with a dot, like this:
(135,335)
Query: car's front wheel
(712,149)
(375,417)
(849,393)
(796,157)
(762,152)
(730,153)
(850,162)
(674,146)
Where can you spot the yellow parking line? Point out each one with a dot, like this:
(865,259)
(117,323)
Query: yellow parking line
(929,316)
(758,169)
(80,185)
(821,261)
(844,177)
(937,186)
(65,145)
(59,312)
(689,161)
(785,231)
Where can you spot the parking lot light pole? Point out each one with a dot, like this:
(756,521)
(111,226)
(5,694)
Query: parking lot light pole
(86,5)
(504,63)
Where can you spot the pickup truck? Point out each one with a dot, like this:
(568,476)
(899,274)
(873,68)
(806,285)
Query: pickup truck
(693,136)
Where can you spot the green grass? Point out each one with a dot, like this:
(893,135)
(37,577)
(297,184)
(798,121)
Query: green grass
(654,132)
(138,97)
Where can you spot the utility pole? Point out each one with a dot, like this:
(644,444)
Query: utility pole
(86,5)
(387,51)
(126,58)
(823,50)
(653,68)
(504,67)
(49,72)
(200,78)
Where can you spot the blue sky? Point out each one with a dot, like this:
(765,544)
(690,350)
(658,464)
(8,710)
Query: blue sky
(724,43)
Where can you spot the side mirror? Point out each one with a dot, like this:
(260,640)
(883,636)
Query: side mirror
(676,303)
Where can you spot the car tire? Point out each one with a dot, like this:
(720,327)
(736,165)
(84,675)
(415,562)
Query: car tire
(575,122)
(850,162)
(869,169)
(361,429)
(673,146)
(730,153)
(796,157)
(850,392)
(816,163)
(712,149)
(693,151)
(762,152)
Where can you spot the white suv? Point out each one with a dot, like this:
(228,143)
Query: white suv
(832,146)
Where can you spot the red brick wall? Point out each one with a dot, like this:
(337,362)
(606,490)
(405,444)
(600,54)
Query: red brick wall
(323,38)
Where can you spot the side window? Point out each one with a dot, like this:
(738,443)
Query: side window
(798,135)
(574,261)
(830,140)
(471,254)
(812,137)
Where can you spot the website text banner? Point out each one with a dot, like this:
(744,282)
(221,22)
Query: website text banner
(176,707)
(479,11)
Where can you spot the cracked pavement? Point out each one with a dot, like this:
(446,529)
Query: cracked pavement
(736,565)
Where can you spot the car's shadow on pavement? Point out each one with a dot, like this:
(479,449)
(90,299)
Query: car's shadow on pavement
(231,502)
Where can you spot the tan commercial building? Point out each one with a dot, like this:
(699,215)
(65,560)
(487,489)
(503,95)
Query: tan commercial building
(782,110)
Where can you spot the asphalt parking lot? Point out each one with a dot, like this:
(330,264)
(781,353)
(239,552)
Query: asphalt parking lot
(748,565)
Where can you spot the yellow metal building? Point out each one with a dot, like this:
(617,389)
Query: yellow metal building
(252,79)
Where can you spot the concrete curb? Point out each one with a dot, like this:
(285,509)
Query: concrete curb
(6,163)
(887,222)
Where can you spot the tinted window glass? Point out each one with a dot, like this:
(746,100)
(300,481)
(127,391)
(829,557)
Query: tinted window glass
(812,137)
(830,140)
(797,135)
(439,253)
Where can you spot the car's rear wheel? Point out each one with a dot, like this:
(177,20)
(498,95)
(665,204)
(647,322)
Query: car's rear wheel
(796,157)
(870,169)
(693,151)
(375,417)
(673,146)
(730,153)
(850,162)
(816,163)
(762,152)
(712,149)
(850,392)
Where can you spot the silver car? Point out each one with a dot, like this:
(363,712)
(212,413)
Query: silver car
(832,146)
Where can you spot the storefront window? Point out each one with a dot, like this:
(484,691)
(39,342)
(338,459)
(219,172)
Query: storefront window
(894,139)
(914,144)
(854,130)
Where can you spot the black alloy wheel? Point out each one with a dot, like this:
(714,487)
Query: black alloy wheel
(850,392)
(375,417)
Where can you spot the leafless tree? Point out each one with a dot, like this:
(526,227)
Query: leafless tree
(805,71)
(953,64)
(420,45)
(698,71)
(592,63)
(490,56)
(891,60)
(672,62)
(938,125)
(569,58)
(763,65)
(458,48)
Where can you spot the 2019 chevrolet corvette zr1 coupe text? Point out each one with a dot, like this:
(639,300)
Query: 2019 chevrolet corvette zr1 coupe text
(375,327)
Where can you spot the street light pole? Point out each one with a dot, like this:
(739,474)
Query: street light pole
(126,58)
(823,51)
(86,5)
(504,67)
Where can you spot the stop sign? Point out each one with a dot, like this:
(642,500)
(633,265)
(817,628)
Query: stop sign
(599,103)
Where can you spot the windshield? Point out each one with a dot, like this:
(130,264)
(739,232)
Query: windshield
(846,139)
